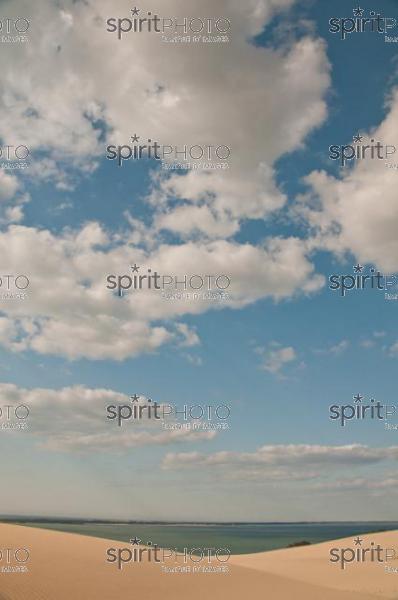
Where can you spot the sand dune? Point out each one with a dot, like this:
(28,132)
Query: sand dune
(65,566)
(310,564)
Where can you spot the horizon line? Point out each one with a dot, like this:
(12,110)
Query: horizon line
(59,519)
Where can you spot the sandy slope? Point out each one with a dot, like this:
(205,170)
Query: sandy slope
(67,566)
(311,564)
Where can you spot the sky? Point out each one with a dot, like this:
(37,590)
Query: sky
(280,347)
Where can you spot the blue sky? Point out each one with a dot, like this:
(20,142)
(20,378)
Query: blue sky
(335,347)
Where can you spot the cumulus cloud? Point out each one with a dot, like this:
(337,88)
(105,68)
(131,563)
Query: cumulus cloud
(276,357)
(370,343)
(70,312)
(67,125)
(288,455)
(8,186)
(189,335)
(357,212)
(74,419)
(335,349)
(196,361)
(393,350)
(12,198)
(315,464)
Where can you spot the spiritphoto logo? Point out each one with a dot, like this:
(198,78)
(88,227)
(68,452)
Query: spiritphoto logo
(372,553)
(360,150)
(14,287)
(360,281)
(14,157)
(362,410)
(360,22)
(14,560)
(187,286)
(15,417)
(171,560)
(13,30)
(195,156)
(191,417)
(171,29)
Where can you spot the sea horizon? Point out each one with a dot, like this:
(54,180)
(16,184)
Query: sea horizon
(236,537)
(61,519)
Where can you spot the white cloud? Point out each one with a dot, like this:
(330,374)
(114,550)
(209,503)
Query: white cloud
(71,313)
(8,186)
(335,349)
(393,351)
(275,357)
(358,212)
(370,343)
(74,419)
(14,214)
(189,336)
(12,198)
(340,347)
(281,462)
(60,116)
(359,483)
(194,360)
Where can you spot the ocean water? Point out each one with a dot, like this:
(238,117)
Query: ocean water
(239,538)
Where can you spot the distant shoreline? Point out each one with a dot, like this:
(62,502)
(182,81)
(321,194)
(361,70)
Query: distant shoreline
(82,521)
(239,538)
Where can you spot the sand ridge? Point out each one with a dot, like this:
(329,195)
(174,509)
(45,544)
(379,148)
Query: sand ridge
(65,566)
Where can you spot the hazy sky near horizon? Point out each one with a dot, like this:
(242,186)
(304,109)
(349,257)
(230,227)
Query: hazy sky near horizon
(278,222)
